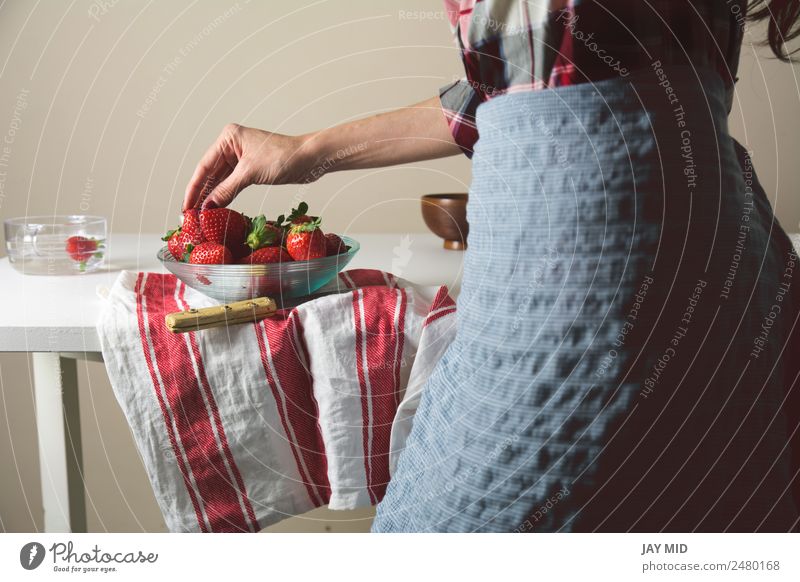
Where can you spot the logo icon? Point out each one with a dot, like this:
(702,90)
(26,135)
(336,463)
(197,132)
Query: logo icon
(31,555)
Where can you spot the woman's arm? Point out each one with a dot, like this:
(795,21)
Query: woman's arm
(242,156)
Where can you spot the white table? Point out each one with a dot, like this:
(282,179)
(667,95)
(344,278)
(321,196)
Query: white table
(55,318)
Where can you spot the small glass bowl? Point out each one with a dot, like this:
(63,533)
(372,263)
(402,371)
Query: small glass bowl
(56,245)
(278,280)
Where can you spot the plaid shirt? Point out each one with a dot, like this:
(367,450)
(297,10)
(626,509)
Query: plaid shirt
(527,45)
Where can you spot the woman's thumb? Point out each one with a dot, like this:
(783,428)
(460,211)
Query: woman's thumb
(227,190)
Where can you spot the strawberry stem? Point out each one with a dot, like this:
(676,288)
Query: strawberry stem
(307,226)
(259,235)
(301,209)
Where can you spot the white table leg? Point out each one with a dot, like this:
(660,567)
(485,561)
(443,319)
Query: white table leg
(59,431)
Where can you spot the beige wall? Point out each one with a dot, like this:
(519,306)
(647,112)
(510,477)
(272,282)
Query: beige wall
(90,140)
(122,101)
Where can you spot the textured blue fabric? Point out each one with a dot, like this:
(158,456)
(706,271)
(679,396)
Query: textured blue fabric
(606,372)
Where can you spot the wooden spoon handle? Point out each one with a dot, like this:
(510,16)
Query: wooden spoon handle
(246,311)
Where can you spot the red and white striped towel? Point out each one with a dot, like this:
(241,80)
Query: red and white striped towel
(242,426)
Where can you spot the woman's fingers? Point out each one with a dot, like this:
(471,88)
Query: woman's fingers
(226,191)
(242,156)
(209,173)
(204,177)
(215,165)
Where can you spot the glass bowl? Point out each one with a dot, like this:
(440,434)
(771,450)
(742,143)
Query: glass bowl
(278,280)
(56,245)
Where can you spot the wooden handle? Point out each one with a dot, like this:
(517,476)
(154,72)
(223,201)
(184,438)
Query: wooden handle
(246,311)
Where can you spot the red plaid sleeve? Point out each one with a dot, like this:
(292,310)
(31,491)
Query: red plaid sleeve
(459,103)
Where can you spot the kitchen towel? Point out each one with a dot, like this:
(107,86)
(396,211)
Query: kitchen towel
(242,426)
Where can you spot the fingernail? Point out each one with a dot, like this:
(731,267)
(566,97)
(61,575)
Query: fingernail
(208,204)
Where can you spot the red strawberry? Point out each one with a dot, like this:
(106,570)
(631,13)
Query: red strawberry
(81,249)
(210,253)
(240,251)
(191,225)
(224,226)
(263,233)
(334,245)
(266,255)
(188,233)
(306,241)
(177,244)
(302,219)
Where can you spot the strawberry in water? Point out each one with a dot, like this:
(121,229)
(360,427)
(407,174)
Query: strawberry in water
(306,241)
(334,245)
(224,226)
(81,249)
(266,255)
(210,253)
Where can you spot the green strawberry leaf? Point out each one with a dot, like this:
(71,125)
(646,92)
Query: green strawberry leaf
(187,252)
(169,234)
(259,235)
(301,209)
(307,226)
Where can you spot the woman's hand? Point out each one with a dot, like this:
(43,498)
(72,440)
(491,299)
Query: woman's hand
(242,156)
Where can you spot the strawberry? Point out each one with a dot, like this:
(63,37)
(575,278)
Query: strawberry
(177,244)
(191,225)
(296,216)
(80,248)
(306,241)
(302,219)
(263,233)
(240,251)
(334,245)
(266,255)
(188,233)
(224,226)
(210,253)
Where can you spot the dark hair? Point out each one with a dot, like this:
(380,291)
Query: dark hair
(783,23)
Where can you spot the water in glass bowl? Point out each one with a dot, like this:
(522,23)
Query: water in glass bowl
(56,245)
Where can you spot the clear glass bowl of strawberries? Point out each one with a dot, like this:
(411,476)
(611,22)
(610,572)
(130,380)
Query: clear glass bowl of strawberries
(228,256)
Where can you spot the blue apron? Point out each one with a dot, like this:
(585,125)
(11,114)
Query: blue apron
(623,322)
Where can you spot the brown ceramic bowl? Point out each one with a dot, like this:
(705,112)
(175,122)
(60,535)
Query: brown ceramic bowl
(446,216)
